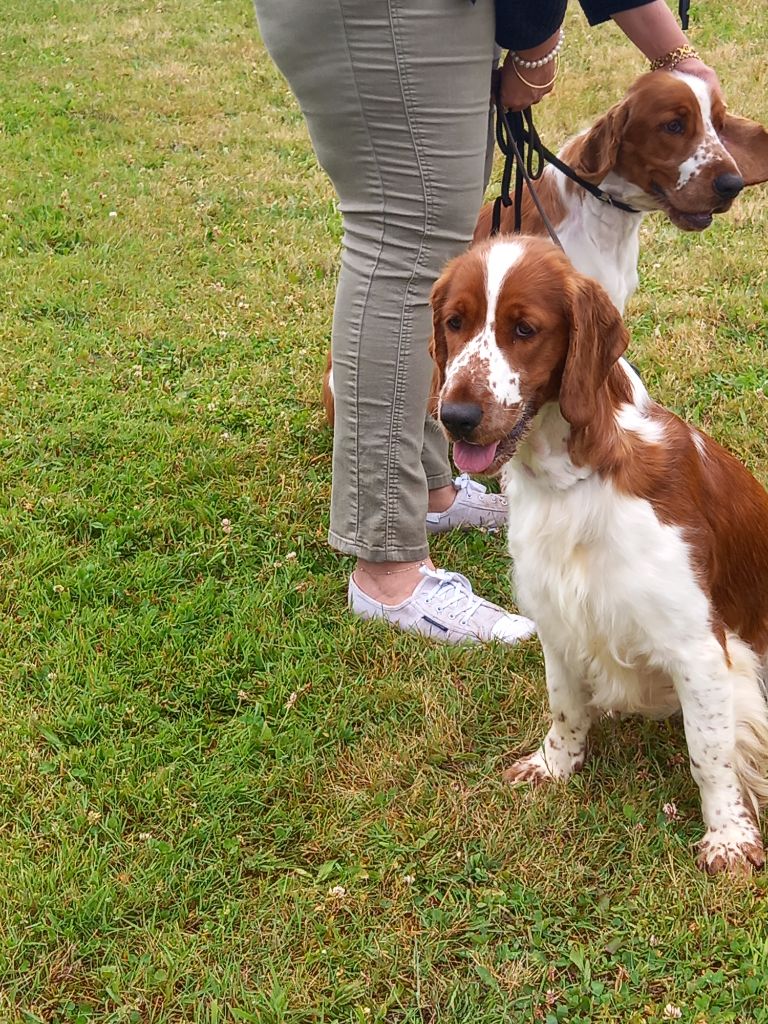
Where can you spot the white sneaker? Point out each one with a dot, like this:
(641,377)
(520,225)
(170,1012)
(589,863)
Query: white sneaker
(473,506)
(444,608)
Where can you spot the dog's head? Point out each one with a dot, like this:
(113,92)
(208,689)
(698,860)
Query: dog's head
(674,144)
(514,327)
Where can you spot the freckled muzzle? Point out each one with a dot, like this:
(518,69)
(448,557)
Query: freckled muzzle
(481,407)
(471,457)
(701,193)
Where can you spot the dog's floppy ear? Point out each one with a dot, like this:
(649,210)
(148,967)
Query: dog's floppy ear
(597,339)
(438,347)
(747,142)
(599,148)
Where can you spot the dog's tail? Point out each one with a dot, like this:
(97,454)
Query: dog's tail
(751,718)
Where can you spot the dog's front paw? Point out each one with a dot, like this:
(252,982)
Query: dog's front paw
(532,769)
(735,848)
(556,759)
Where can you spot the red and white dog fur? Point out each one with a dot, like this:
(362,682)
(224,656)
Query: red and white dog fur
(640,546)
(667,145)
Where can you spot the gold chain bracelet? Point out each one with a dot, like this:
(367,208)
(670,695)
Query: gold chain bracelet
(673,58)
(534,85)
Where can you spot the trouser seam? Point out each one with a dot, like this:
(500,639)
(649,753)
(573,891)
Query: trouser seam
(374,268)
(405,339)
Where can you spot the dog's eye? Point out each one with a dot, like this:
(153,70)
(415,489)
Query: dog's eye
(676,127)
(454,322)
(524,330)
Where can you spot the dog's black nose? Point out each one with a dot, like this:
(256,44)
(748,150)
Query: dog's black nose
(728,186)
(460,418)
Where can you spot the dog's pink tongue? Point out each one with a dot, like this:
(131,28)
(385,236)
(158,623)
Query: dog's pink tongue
(473,458)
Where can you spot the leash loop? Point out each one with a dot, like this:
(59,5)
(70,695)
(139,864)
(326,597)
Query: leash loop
(523,152)
(535,147)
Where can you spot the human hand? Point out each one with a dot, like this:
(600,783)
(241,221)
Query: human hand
(697,67)
(516,94)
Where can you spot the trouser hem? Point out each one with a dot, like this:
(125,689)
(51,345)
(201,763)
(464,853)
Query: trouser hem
(441,480)
(377,554)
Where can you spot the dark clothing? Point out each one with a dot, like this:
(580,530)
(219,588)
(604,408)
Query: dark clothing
(601,10)
(521,26)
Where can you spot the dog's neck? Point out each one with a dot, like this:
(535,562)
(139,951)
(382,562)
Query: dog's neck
(544,457)
(557,457)
(601,240)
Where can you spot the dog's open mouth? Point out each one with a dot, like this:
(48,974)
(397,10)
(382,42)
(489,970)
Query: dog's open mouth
(689,221)
(686,221)
(489,458)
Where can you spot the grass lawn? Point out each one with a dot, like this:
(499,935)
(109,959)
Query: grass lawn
(221,799)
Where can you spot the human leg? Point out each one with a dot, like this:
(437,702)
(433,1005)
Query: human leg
(395,93)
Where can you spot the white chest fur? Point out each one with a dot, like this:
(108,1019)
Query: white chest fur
(602,241)
(610,586)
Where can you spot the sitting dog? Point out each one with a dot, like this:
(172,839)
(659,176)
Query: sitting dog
(640,546)
(667,145)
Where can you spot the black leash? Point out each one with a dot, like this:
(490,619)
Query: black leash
(520,147)
(594,190)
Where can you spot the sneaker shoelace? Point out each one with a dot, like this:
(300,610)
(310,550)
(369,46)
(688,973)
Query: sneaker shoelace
(453,591)
(468,486)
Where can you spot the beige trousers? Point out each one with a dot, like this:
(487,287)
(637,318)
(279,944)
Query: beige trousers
(396,98)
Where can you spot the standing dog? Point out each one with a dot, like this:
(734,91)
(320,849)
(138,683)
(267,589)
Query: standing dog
(640,546)
(668,145)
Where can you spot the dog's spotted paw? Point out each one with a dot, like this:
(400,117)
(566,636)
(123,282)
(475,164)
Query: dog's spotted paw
(733,848)
(532,770)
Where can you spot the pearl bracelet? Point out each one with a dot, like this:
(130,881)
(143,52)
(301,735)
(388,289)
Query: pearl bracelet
(531,64)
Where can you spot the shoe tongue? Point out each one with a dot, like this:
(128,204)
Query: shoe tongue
(473,458)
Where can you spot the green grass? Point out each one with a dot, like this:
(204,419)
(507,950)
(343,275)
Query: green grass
(222,800)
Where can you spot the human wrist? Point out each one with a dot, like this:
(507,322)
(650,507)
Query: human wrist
(520,87)
(652,28)
(538,56)
(542,76)
(692,66)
